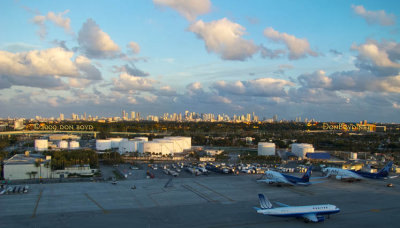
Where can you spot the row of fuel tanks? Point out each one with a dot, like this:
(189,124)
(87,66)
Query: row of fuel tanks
(164,146)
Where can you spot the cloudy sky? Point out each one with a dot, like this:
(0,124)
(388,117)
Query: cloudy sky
(328,60)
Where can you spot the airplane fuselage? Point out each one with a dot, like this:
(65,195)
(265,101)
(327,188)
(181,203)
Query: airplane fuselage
(342,173)
(277,177)
(300,211)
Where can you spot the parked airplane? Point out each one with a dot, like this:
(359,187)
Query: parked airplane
(383,173)
(313,213)
(341,174)
(351,175)
(280,178)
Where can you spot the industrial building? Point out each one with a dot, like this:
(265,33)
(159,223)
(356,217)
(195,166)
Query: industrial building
(57,137)
(318,156)
(301,149)
(27,166)
(266,148)
(41,144)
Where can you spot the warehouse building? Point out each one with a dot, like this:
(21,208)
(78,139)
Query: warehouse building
(27,166)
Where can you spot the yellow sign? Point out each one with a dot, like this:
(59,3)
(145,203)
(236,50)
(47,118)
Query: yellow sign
(62,127)
(349,127)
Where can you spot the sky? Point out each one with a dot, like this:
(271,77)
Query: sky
(327,60)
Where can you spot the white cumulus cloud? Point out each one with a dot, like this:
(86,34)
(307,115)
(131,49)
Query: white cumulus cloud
(224,37)
(133,47)
(374,17)
(379,58)
(298,48)
(127,82)
(265,87)
(57,19)
(190,9)
(53,61)
(95,43)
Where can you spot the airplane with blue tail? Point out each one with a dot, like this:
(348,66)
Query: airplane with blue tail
(311,213)
(351,175)
(382,174)
(272,177)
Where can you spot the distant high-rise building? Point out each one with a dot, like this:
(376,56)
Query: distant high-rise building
(74,116)
(61,116)
(275,118)
(123,114)
(132,115)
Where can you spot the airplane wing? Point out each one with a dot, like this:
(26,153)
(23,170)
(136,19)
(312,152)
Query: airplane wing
(317,182)
(311,217)
(317,178)
(276,180)
(268,181)
(282,204)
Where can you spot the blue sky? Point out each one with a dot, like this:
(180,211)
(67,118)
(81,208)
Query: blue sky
(328,60)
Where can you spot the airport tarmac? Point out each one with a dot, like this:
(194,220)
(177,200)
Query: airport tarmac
(204,201)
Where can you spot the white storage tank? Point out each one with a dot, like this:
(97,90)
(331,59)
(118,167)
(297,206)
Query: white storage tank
(181,143)
(73,145)
(41,144)
(167,147)
(63,144)
(127,146)
(103,144)
(145,139)
(151,147)
(301,149)
(168,143)
(115,142)
(266,148)
(140,146)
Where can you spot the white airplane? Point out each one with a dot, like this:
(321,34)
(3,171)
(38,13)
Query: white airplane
(313,213)
(351,175)
(342,174)
(280,178)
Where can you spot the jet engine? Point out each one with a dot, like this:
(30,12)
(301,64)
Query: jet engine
(321,218)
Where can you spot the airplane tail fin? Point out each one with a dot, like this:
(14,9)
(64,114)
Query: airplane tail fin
(385,171)
(307,175)
(264,202)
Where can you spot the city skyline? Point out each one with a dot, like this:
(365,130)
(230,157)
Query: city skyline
(187,116)
(332,61)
